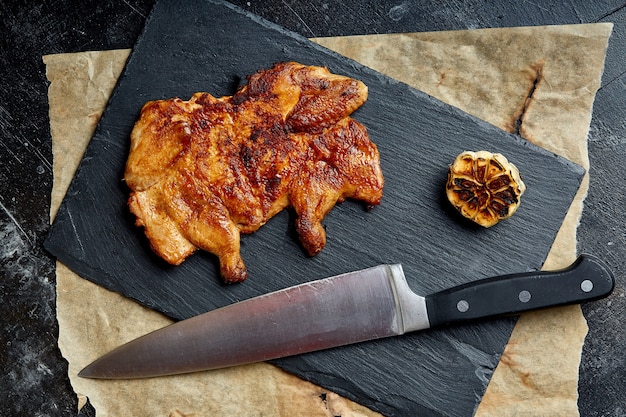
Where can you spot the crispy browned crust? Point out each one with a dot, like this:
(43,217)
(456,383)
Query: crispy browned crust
(205,170)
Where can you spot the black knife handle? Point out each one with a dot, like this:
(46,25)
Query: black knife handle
(586,279)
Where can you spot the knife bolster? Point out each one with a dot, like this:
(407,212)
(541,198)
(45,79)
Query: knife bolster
(411,307)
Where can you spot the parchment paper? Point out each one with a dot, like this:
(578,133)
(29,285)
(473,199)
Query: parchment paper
(539,82)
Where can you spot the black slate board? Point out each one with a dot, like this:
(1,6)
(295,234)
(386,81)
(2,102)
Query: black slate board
(211,46)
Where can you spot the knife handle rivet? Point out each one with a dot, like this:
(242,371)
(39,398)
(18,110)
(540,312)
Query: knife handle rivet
(462,306)
(586,285)
(524,296)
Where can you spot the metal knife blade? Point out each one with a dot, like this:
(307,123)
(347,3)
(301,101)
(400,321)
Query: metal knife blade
(349,308)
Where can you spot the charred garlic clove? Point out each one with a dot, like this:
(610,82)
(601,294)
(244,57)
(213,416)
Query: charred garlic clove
(484,187)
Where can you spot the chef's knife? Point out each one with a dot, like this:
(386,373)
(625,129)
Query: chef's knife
(354,307)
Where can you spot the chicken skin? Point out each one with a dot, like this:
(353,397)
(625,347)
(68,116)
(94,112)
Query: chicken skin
(203,171)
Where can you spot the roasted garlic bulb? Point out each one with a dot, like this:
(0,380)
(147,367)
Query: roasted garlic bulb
(484,187)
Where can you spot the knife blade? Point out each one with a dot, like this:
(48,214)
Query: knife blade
(354,307)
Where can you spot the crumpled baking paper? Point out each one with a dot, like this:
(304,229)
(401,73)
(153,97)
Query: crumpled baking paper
(539,82)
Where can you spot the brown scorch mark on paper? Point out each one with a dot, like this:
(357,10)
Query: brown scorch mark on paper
(535,73)
(509,359)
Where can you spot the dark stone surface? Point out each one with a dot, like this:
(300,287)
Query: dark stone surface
(34,380)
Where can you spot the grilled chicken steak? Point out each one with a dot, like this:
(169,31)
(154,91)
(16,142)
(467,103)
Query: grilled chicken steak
(205,170)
